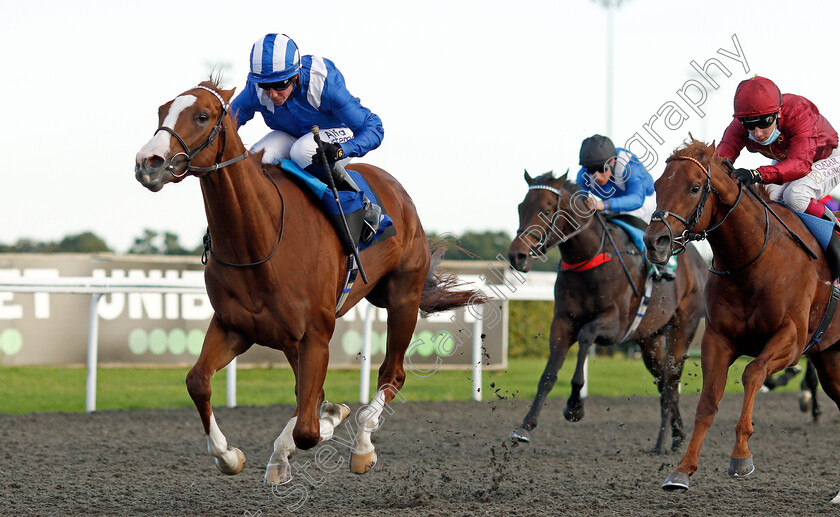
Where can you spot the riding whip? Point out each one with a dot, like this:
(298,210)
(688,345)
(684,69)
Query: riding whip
(331,184)
(618,253)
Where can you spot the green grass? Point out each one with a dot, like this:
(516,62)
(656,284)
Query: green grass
(28,389)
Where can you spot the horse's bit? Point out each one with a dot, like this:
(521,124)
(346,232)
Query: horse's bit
(189,154)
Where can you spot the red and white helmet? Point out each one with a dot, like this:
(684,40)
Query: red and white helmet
(757,96)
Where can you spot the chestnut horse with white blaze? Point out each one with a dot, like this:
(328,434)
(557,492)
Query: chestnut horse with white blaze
(276,270)
(766,299)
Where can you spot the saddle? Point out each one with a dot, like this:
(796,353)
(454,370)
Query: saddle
(824,231)
(352,204)
(632,225)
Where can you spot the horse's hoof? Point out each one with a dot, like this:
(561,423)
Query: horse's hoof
(741,467)
(520,434)
(805,401)
(277,474)
(573,414)
(345,411)
(675,481)
(235,469)
(361,463)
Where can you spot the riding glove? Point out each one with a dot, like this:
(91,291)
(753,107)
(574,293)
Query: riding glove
(747,176)
(332,151)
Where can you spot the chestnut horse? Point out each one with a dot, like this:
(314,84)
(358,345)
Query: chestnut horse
(766,300)
(276,270)
(598,305)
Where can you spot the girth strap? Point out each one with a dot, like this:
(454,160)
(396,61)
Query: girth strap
(644,303)
(349,280)
(827,317)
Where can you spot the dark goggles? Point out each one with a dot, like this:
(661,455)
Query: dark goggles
(760,122)
(278,86)
(595,169)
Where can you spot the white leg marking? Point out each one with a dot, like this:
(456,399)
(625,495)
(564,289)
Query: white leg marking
(284,445)
(836,499)
(217,445)
(368,420)
(330,418)
(278,471)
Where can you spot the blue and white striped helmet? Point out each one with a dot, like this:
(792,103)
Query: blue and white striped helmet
(274,58)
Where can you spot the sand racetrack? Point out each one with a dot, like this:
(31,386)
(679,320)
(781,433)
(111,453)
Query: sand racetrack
(449,458)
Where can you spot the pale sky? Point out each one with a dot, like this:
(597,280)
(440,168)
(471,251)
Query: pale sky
(470,93)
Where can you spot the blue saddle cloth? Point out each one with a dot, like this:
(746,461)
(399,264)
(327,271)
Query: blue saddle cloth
(636,235)
(350,201)
(821,229)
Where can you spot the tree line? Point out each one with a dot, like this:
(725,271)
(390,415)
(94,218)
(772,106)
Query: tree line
(471,245)
(150,243)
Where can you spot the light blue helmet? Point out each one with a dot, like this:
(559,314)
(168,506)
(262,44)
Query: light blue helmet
(274,58)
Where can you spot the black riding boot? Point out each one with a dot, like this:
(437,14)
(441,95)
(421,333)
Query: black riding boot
(343,181)
(832,252)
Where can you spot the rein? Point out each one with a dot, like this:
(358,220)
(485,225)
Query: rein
(218,129)
(189,154)
(599,257)
(207,240)
(687,235)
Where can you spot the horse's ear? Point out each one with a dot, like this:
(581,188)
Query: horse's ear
(564,176)
(227,95)
(528,177)
(714,147)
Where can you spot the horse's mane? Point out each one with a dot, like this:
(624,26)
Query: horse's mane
(705,153)
(693,148)
(214,80)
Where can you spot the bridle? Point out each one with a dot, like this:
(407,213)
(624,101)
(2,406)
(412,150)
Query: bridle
(680,242)
(190,154)
(544,246)
(687,235)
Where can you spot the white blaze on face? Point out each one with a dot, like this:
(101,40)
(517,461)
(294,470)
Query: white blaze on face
(159,144)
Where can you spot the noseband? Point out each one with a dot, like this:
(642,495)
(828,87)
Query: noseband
(189,154)
(544,247)
(680,242)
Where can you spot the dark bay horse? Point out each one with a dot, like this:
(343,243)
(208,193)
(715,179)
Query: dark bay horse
(276,270)
(597,305)
(766,300)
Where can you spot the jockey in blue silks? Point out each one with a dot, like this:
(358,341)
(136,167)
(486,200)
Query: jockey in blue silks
(293,94)
(616,178)
(617,182)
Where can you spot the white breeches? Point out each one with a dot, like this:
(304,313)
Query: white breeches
(797,194)
(279,145)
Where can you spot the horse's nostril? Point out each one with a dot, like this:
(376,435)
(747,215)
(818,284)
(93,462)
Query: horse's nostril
(663,241)
(154,162)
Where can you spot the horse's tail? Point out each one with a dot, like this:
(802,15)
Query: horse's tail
(444,292)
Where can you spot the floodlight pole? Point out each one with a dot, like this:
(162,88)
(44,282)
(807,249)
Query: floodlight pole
(610,6)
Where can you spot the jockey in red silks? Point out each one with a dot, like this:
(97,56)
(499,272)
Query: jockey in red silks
(790,130)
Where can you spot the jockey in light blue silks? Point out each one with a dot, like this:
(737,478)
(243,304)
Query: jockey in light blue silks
(617,182)
(616,178)
(293,94)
